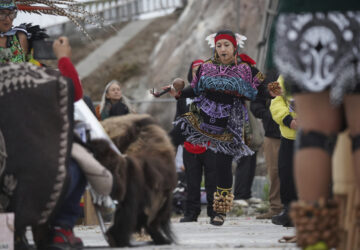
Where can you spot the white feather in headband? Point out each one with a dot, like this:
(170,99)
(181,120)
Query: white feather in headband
(240,40)
(211,40)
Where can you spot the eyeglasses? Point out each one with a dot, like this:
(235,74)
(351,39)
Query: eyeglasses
(11,15)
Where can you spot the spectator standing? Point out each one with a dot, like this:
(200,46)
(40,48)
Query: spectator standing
(113,103)
(283,113)
(246,166)
(244,177)
(261,109)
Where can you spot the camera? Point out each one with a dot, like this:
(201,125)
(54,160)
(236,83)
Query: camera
(43,50)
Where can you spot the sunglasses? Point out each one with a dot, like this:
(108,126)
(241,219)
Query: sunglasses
(12,15)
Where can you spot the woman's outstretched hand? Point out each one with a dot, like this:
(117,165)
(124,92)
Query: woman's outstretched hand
(174,89)
(164,91)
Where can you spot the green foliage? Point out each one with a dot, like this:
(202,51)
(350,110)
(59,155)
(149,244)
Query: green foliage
(318,246)
(266,191)
(237,211)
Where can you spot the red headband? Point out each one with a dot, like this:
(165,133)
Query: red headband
(227,37)
(196,63)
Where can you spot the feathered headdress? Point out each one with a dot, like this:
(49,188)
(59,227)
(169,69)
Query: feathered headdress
(71,9)
(236,39)
(239,40)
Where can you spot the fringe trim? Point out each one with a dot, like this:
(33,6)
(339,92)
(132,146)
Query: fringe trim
(235,148)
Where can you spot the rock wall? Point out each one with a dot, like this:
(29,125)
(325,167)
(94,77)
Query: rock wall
(185,41)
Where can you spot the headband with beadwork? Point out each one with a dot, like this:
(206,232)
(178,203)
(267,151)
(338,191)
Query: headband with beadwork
(7,4)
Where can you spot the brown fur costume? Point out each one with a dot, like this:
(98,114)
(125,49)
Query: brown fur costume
(145,177)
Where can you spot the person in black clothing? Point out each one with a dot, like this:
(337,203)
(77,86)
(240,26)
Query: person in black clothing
(195,163)
(175,133)
(260,109)
(283,112)
(244,177)
(196,159)
(89,103)
(119,108)
(246,166)
(182,106)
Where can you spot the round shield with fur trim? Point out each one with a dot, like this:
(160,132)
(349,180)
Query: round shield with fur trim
(36,110)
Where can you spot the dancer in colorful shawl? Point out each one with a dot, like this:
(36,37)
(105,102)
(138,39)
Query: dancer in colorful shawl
(218,117)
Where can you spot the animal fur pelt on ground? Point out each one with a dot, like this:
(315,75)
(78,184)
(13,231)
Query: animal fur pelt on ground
(145,177)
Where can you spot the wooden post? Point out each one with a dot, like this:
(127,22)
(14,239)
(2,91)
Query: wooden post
(268,18)
(90,217)
(346,191)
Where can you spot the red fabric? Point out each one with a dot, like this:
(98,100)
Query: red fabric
(196,63)
(67,69)
(247,59)
(61,235)
(194,149)
(227,37)
(66,236)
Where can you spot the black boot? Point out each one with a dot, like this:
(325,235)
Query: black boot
(189,218)
(283,218)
